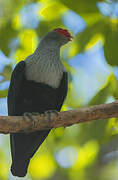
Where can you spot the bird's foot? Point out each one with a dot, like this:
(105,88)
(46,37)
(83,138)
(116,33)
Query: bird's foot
(49,112)
(30,116)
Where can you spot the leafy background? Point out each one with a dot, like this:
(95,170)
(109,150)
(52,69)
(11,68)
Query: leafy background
(87,151)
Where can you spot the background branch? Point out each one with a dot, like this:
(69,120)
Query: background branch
(9,124)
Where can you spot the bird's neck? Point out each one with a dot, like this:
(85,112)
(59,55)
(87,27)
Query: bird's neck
(45,65)
(51,48)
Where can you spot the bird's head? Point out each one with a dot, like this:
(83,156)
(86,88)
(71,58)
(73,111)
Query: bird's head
(59,36)
(64,34)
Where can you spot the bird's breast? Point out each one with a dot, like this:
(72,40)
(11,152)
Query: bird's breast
(49,73)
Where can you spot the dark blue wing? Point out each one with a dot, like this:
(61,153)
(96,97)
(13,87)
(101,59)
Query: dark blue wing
(62,90)
(15,86)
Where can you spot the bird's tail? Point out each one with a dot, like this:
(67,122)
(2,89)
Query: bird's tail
(23,147)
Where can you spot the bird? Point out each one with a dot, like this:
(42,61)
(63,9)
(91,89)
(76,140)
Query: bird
(38,84)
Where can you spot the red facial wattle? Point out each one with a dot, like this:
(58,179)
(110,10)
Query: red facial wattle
(64,32)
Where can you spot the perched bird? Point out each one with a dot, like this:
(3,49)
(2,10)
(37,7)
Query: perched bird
(38,84)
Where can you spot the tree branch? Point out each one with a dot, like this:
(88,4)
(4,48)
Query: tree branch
(13,124)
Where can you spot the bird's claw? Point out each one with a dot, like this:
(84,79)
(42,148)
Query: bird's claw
(30,116)
(49,112)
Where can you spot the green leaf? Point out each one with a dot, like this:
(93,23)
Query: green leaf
(107,90)
(6,34)
(101,96)
(53,10)
(85,37)
(111,45)
(3,93)
(91,18)
(48,26)
(81,6)
(6,72)
(95,130)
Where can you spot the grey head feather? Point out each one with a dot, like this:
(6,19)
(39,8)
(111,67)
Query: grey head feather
(44,65)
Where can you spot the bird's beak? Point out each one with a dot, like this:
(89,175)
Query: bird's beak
(70,38)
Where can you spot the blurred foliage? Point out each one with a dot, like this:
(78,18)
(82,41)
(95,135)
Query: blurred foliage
(88,151)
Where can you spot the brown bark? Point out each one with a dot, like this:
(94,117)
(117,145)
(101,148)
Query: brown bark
(9,124)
